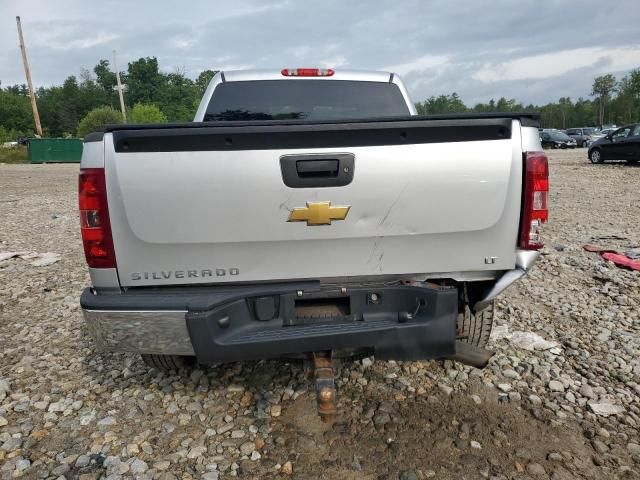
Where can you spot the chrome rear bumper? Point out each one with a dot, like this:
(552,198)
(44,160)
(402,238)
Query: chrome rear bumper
(161,332)
(245,322)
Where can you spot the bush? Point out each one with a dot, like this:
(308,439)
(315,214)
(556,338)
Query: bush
(13,154)
(96,118)
(11,135)
(146,113)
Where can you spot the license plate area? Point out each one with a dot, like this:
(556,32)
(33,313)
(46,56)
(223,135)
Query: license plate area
(310,309)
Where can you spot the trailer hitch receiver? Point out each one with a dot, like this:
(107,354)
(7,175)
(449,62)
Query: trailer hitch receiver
(323,373)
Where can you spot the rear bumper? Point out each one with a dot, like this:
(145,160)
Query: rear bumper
(143,331)
(402,322)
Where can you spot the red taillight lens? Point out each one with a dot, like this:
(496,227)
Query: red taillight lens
(535,210)
(94,219)
(307,72)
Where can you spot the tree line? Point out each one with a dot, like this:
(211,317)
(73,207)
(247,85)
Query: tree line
(613,102)
(152,95)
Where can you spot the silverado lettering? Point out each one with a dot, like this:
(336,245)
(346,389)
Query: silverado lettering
(179,274)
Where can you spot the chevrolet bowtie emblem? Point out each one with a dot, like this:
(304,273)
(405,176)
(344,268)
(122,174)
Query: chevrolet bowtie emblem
(318,213)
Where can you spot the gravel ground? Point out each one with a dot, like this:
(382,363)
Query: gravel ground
(562,404)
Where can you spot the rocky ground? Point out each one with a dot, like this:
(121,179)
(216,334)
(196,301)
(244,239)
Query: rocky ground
(560,399)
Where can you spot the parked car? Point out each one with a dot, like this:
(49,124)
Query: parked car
(606,131)
(583,136)
(556,139)
(621,144)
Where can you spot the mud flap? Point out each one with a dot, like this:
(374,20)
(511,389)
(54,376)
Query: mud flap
(471,355)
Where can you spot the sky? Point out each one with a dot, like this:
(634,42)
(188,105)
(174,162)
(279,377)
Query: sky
(535,51)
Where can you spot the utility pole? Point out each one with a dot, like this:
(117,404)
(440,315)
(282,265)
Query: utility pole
(27,72)
(119,87)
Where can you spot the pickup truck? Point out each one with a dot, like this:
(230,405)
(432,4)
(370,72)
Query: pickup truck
(307,211)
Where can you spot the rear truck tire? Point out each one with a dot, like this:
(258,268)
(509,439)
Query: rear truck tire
(595,156)
(167,363)
(475,328)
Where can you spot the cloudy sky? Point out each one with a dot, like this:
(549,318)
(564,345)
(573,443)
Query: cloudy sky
(532,50)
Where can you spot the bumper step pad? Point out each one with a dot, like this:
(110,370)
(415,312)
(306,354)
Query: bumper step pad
(396,322)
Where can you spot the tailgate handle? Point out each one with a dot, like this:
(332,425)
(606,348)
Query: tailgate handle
(317,170)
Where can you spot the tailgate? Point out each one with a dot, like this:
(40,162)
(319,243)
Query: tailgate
(203,205)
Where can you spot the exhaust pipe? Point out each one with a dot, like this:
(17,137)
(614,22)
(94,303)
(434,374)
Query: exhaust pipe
(471,355)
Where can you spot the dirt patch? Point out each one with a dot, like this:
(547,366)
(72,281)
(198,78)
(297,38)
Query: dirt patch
(428,434)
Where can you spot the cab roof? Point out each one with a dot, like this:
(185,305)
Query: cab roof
(273,74)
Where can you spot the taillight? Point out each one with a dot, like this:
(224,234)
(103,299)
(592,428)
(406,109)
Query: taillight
(307,72)
(94,219)
(535,210)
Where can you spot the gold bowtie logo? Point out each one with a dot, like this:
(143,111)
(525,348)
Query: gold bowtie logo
(318,213)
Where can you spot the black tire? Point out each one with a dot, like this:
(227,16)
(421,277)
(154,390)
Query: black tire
(632,161)
(595,156)
(167,363)
(475,328)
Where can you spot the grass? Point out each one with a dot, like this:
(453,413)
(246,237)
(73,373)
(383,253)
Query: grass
(13,155)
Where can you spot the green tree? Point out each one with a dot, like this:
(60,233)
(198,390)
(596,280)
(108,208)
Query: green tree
(62,107)
(441,104)
(602,89)
(176,97)
(504,105)
(485,107)
(15,111)
(18,89)
(203,80)
(174,93)
(565,107)
(144,81)
(141,113)
(97,118)
(626,106)
(584,113)
(105,78)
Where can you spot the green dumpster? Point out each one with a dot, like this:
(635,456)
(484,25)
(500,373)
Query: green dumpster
(55,150)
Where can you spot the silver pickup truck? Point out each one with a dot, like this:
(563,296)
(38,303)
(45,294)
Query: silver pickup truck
(307,211)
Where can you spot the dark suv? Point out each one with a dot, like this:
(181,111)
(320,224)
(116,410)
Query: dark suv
(621,144)
(583,136)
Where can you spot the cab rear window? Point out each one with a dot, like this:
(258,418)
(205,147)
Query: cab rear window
(305,100)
